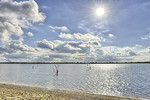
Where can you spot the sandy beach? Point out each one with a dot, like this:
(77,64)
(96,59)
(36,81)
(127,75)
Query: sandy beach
(17,92)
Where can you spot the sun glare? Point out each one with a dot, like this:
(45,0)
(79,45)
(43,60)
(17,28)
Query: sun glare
(100,11)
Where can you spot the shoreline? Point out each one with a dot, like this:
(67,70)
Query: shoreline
(11,91)
(148,62)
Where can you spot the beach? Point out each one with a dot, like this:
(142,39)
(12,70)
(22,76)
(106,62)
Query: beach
(18,92)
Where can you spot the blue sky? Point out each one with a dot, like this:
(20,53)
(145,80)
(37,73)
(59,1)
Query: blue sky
(70,30)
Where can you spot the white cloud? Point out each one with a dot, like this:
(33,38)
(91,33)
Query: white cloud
(7,29)
(144,51)
(111,35)
(53,30)
(87,37)
(77,44)
(135,53)
(80,37)
(58,50)
(137,45)
(44,7)
(30,34)
(118,51)
(68,46)
(41,24)
(25,10)
(16,51)
(17,15)
(61,28)
(146,37)
(66,36)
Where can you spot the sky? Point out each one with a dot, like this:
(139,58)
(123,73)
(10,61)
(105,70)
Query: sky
(71,31)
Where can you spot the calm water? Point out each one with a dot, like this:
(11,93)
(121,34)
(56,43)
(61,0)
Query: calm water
(132,80)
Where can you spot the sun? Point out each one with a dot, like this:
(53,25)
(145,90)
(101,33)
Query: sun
(100,11)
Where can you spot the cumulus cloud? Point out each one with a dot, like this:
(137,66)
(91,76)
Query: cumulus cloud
(15,46)
(118,51)
(58,50)
(66,36)
(61,28)
(87,37)
(45,44)
(30,34)
(77,43)
(7,29)
(75,46)
(135,53)
(25,9)
(16,51)
(80,37)
(83,45)
(17,15)
(57,46)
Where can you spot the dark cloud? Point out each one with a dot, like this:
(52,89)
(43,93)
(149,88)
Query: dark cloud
(14,47)
(44,44)
(67,46)
(131,53)
(2,50)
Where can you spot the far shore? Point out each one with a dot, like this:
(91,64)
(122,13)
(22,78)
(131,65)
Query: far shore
(18,92)
(148,62)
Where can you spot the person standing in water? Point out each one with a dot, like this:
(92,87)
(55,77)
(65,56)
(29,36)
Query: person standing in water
(32,67)
(56,70)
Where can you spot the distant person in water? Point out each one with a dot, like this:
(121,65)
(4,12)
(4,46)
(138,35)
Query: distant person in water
(56,70)
(32,67)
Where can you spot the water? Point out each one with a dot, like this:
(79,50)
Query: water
(129,80)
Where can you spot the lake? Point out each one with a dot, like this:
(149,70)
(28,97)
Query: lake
(130,80)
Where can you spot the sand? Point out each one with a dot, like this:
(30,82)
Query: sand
(17,92)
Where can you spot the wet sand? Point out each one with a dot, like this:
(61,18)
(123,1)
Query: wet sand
(17,92)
